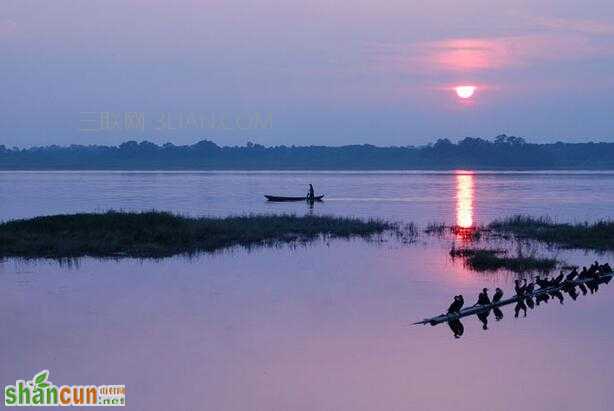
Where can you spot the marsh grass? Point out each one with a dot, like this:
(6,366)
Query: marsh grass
(436,228)
(597,236)
(495,259)
(441,230)
(160,234)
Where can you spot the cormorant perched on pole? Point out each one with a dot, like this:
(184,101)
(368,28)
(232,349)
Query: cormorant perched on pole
(593,268)
(542,283)
(456,306)
(557,281)
(528,289)
(497,296)
(572,275)
(518,288)
(483,298)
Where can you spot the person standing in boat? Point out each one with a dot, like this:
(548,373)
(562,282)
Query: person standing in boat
(311,195)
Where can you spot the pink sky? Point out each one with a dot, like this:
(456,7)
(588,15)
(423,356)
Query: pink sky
(325,72)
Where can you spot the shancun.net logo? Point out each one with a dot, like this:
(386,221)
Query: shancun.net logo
(40,392)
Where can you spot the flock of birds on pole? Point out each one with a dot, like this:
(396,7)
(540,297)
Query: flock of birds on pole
(542,289)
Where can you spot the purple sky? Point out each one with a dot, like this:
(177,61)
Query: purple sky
(318,72)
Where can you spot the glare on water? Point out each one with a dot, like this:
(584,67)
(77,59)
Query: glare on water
(464,199)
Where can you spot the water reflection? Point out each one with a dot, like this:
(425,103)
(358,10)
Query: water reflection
(464,228)
(457,327)
(464,199)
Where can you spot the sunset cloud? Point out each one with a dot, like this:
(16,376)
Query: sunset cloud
(588,27)
(483,54)
(7,27)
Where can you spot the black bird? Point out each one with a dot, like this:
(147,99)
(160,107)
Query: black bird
(572,275)
(593,268)
(456,306)
(557,281)
(517,287)
(584,273)
(497,295)
(606,269)
(483,298)
(542,283)
(542,298)
(529,288)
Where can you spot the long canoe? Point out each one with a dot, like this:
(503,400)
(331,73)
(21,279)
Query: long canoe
(540,291)
(280,199)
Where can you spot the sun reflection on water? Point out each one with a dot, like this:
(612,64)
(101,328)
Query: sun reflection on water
(464,199)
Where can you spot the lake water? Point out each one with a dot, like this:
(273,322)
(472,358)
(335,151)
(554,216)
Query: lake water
(325,326)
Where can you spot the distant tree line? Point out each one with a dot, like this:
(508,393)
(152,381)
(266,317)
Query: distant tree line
(504,152)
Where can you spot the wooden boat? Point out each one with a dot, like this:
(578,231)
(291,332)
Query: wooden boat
(279,199)
(605,278)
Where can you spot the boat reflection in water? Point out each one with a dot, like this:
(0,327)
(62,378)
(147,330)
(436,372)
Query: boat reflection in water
(465,192)
(529,303)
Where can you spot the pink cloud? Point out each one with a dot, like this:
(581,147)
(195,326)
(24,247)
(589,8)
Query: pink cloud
(588,27)
(464,54)
(7,27)
(484,54)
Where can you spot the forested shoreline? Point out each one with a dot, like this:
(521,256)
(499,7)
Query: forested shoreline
(504,152)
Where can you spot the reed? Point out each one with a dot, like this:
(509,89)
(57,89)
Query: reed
(159,234)
(496,259)
(598,235)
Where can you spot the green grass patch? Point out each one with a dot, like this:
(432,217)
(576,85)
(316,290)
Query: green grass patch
(496,259)
(160,234)
(598,236)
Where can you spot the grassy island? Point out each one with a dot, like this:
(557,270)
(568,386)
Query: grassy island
(495,259)
(597,236)
(160,234)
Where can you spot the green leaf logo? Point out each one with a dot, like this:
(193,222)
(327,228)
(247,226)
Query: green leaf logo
(40,379)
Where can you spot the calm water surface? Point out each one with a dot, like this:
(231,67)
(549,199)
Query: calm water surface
(321,327)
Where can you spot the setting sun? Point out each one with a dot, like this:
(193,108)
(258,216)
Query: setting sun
(465,91)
